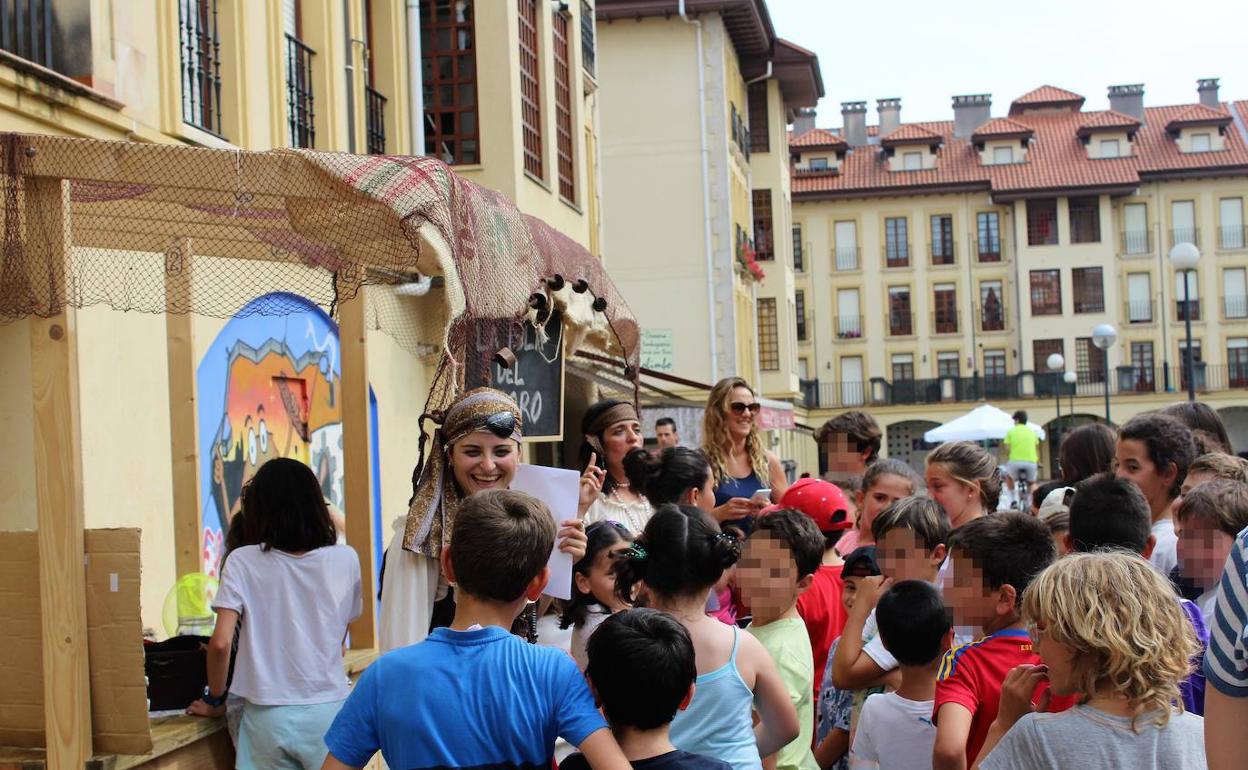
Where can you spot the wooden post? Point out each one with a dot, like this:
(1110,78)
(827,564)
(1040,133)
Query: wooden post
(183,425)
(357,458)
(58,482)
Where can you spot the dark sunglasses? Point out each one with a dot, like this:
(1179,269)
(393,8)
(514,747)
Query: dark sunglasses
(739,407)
(502,424)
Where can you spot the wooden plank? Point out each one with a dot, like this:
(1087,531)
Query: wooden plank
(357,459)
(58,490)
(183,425)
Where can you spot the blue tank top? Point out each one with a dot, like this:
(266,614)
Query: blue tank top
(718,721)
(732,487)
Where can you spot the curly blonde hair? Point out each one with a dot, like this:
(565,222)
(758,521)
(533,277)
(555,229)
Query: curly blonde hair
(716,441)
(1124,623)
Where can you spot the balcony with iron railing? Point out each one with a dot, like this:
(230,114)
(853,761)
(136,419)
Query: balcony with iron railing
(896,255)
(1183,308)
(943,252)
(1085,227)
(1232,238)
(900,323)
(588,54)
(376,121)
(1139,311)
(846,258)
(1185,235)
(946,321)
(849,327)
(27,29)
(803,327)
(1123,381)
(1135,243)
(300,116)
(1235,308)
(987,249)
(991,317)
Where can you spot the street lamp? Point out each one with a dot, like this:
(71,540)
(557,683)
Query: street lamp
(1056,362)
(1104,336)
(1184,257)
(1071,378)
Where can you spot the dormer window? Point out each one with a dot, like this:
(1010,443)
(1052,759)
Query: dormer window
(818,164)
(1002,155)
(912,161)
(1110,148)
(1201,143)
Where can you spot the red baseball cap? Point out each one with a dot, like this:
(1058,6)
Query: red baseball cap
(822,501)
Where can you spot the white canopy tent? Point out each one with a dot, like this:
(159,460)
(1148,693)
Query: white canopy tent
(980,424)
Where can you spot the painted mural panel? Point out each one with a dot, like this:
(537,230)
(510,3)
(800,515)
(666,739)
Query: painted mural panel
(267,387)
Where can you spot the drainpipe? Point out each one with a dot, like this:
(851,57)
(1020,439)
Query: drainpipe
(706,197)
(350,52)
(761,77)
(415,89)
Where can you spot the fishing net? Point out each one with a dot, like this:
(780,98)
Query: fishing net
(450,265)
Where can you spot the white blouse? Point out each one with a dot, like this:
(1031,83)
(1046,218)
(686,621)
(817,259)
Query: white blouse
(631,515)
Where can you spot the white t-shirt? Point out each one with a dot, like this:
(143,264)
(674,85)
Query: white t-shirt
(1165,553)
(594,616)
(893,732)
(295,611)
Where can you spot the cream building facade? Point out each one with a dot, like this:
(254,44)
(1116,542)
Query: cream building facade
(696,187)
(498,84)
(949,260)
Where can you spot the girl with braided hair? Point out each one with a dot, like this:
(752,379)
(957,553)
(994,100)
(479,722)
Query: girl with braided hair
(476,446)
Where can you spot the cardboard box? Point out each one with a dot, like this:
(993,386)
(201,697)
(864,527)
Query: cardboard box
(119,722)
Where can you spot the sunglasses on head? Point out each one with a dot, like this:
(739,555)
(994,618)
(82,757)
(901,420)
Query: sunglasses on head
(502,424)
(740,407)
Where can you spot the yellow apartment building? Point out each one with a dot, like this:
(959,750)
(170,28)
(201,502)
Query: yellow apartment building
(947,261)
(505,91)
(696,188)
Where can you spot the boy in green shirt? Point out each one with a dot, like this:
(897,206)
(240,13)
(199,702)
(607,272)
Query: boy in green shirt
(778,564)
(1023,444)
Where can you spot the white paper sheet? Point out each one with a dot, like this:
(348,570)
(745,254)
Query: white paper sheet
(560,490)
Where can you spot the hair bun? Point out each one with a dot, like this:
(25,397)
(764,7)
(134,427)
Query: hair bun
(640,467)
(726,548)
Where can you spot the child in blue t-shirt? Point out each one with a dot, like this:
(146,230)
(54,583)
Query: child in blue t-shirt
(473,695)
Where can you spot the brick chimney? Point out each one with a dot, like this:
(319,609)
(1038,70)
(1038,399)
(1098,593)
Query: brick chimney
(1128,99)
(889,111)
(970,111)
(1208,90)
(854,123)
(803,121)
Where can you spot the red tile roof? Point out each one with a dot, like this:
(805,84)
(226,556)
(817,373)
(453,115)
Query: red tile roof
(910,133)
(1199,115)
(1046,96)
(1056,159)
(817,138)
(1108,120)
(1002,128)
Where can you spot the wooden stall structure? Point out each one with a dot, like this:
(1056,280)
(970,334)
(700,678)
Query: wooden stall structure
(183,231)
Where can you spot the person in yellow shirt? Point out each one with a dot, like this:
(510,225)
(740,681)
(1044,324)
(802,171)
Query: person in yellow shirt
(1023,444)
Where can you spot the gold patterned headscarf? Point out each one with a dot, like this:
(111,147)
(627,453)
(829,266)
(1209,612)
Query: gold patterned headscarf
(436,497)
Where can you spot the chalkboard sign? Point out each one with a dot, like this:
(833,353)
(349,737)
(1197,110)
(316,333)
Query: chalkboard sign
(536,379)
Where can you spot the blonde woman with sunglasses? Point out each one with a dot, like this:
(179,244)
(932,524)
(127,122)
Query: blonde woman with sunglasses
(732,443)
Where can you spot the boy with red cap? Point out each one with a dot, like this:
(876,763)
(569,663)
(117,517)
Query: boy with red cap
(820,605)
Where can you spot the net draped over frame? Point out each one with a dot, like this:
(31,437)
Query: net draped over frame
(176,229)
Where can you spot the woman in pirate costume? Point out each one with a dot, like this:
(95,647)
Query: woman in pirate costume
(612,429)
(476,446)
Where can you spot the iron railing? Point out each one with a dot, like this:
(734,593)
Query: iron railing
(1183,308)
(26,28)
(376,121)
(900,324)
(992,317)
(896,255)
(299,100)
(846,257)
(201,63)
(1185,235)
(987,249)
(588,54)
(1135,243)
(1233,238)
(1140,311)
(1123,381)
(803,327)
(848,327)
(946,321)
(1085,227)
(943,252)
(1235,308)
